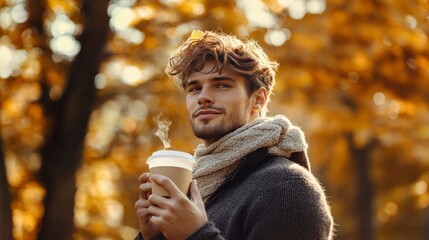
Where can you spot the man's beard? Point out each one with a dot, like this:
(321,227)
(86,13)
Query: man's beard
(225,126)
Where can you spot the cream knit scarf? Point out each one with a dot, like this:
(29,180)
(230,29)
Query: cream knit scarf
(215,162)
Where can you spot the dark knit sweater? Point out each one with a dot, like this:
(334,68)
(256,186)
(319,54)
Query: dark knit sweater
(267,198)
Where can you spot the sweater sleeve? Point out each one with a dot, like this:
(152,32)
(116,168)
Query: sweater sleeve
(294,210)
(140,237)
(207,232)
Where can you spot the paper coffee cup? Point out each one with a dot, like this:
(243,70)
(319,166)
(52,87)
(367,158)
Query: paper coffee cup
(175,165)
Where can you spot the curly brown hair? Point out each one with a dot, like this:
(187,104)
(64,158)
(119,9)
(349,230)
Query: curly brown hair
(244,57)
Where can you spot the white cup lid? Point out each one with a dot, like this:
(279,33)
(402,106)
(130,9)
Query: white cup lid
(171,153)
(171,158)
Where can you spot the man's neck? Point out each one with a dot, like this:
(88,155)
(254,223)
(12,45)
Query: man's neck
(208,142)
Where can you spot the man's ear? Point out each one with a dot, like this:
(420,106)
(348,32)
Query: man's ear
(260,99)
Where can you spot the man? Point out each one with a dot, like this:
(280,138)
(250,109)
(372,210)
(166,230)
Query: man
(254,179)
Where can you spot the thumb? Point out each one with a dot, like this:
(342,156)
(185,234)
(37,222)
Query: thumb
(195,195)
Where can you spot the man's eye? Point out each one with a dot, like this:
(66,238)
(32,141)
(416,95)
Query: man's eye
(222,86)
(193,89)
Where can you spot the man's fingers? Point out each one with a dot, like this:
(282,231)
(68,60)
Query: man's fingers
(145,187)
(195,194)
(154,210)
(142,210)
(145,190)
(157,221)
(144,177)
(142,204)
(167,184)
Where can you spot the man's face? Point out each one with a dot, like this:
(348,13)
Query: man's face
(217,103)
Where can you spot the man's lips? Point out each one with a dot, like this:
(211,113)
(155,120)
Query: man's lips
(203,112)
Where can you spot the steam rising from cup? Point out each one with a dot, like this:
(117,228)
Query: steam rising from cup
(162,130)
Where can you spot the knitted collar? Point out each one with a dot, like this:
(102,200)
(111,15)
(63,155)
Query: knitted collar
(216,161)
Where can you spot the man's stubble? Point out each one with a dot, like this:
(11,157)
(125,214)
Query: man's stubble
(226,125)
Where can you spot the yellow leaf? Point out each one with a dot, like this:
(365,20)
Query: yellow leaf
(196,34)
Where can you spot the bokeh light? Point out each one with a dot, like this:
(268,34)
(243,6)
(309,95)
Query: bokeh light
(121,18)
(257,13)
(379,98)
(65,45)
(11,58)
(62,25)
(19,13)
(277,37)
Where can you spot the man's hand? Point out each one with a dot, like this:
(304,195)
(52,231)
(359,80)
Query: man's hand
(178,216)
(147,230)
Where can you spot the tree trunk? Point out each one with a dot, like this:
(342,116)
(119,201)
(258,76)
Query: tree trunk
(63,148)
(364,200)
(5,201)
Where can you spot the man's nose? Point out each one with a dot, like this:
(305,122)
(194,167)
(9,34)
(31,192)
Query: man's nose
(205,97)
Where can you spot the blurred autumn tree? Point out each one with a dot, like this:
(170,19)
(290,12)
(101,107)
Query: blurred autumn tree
(77,106)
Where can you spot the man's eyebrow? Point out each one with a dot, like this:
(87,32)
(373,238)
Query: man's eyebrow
(214,79)
(190,83)
(222,78)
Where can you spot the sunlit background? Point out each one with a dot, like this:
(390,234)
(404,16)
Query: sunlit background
(353,74)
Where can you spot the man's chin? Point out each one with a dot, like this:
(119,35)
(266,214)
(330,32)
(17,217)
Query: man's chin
(205,123)
(208,132)
(206,120)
